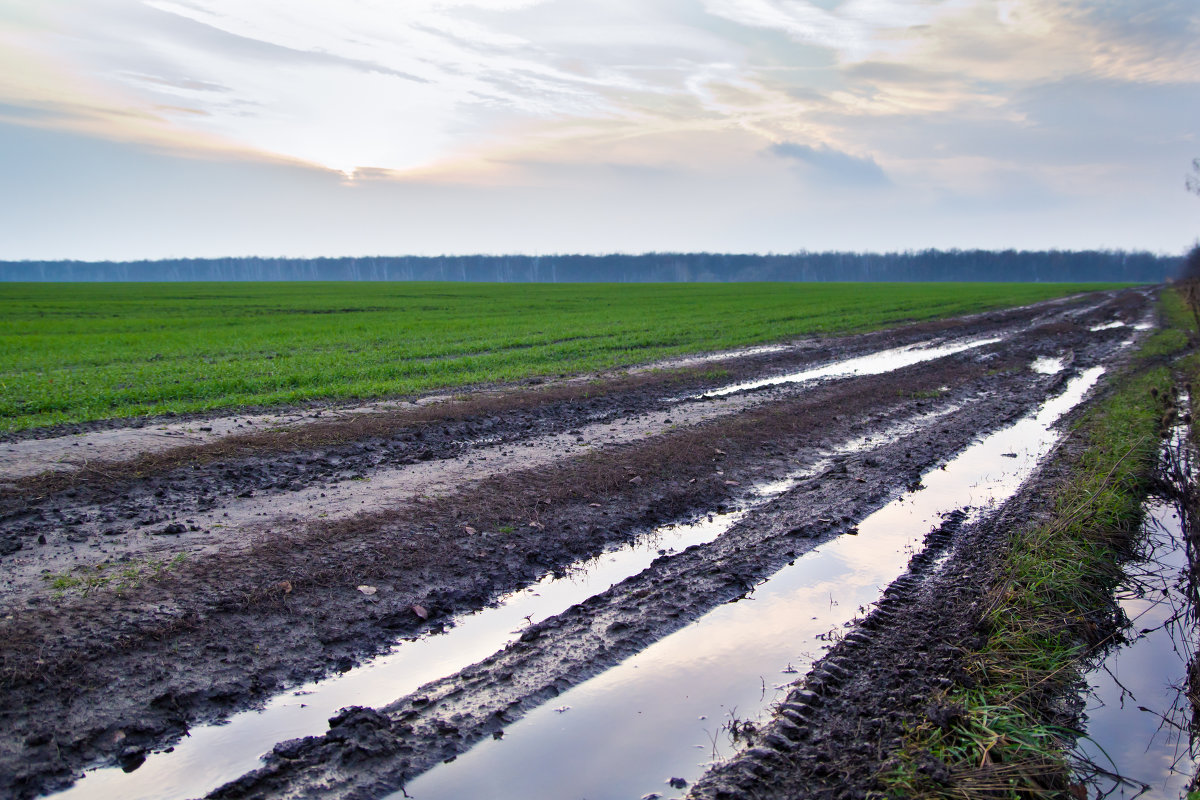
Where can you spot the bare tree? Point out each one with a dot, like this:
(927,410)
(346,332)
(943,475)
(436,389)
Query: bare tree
(1189,274)
(1189,281)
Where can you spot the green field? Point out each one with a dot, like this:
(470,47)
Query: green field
(76,352)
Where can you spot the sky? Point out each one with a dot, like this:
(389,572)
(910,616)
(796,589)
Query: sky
(199,128)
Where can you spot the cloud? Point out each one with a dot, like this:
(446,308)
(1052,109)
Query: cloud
(854,29)
(366,84)
(891,72)
(834,165)
(1090,108)
(947,94)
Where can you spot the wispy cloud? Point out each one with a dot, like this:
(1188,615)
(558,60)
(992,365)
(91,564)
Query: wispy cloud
(952,97)
(854,29)
(832,165)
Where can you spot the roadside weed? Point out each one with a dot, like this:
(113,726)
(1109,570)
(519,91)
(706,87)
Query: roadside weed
(84,580)
(1049,605)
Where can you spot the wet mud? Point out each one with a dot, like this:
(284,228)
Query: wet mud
(166,590)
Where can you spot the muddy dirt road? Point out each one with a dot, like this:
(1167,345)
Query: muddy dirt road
(444,569)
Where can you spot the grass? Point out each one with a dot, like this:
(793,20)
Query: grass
(86,579)
(1047,609)
(1177,313)
(80,352)
(1163,344)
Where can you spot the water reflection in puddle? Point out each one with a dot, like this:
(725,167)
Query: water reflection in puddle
(725,355)
(873,364)
(1047,365)
(660,714)
(1108,326)
(212,755)
(1138,716)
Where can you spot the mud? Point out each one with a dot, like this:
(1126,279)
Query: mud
(443,509)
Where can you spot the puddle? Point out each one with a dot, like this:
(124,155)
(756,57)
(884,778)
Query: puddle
(725,355)
(1108,326)
(214,754)
(873,364)
(1047,365)
(1139,719)
(664,713)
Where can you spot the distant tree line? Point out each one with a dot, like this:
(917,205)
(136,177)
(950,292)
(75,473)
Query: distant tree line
(922,265)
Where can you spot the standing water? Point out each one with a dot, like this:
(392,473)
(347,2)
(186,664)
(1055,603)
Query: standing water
(1140,725)
(664,712)
(872,364)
